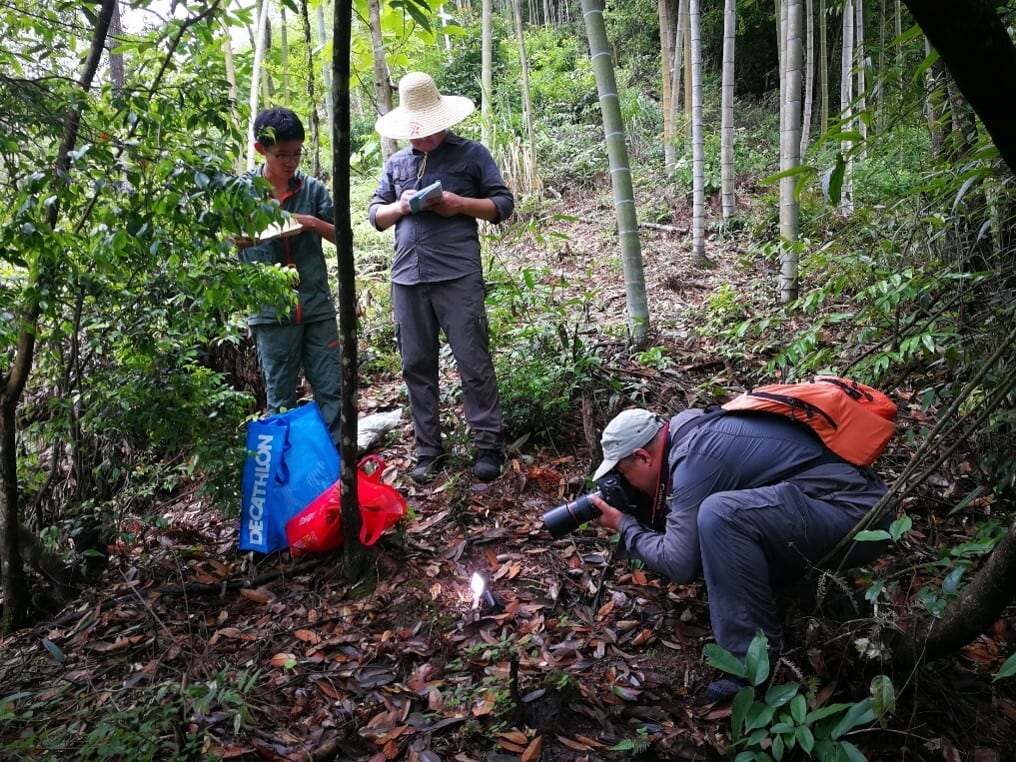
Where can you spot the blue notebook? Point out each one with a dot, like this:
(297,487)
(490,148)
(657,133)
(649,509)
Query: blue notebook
(418,202)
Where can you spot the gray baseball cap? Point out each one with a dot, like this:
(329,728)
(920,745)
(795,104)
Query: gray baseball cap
(627,432)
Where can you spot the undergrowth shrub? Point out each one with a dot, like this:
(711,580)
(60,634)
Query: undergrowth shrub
(771,726)
(161,723)
(543,355)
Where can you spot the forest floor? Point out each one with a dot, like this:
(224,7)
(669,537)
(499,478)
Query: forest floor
(209,650)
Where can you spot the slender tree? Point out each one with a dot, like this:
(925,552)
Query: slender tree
(260,42)
(382,77)
(620,173)
(284,56)
(698,154)
(354,558)
(312,115)
(677,84)
(790,150)
(326,72)
(486,69)
(846,107)
(823,67)
(234,90)
(985,79)
(686,68)
(116,72)
(861,66)
(530,177)
(728,202)
(809,74)
(12,383)
(667,79)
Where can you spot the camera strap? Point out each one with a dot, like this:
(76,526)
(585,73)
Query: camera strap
(662,482)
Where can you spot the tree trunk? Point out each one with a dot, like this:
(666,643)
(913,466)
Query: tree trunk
(698,154)
(667,78)
(284,56)
(620,173)
(861,64)
(846,108)
(354,558)
(968,615)
(823,67)
(255,81)
(530,178)
(12,570)
(486,74)
(809,75)
(677,82)
(326,72)
(227,54)
(116,72)
(790,151)
(728,203)
(688,107)
(936,102)
(981,58)
(382,76)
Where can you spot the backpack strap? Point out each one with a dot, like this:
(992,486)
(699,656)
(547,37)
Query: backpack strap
(683,424)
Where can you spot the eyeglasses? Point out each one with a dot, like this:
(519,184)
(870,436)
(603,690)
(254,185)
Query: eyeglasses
(295,156)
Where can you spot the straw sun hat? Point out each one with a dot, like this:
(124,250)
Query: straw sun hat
(422,110)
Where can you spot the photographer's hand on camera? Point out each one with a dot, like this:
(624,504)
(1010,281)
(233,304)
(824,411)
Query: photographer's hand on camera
(609,515)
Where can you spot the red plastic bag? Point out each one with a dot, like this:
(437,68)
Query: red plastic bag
(318,527)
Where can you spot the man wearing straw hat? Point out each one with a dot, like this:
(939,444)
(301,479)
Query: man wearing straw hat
(437,273)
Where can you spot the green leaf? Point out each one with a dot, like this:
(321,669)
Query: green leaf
(853,754)
(721,659)
(779,695)
(778,747)
(969,498)
(833,187)
(759,716)
(883,697)
(825,711)
(805,738)
(799,708)
(872,535)
(54,650)
(951,583)
(858,714)
(900,527)
(1008,669)
(739,709)
(756,661)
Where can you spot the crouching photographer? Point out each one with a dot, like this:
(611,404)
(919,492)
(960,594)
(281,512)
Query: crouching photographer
(752,502)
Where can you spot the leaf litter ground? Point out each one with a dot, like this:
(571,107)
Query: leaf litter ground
(588,659)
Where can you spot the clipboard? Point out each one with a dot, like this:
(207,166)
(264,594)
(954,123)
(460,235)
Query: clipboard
(288,227)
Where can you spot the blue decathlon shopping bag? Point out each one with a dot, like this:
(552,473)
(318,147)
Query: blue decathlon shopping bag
(290,461)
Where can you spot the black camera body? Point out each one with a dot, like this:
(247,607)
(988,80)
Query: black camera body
(614,490)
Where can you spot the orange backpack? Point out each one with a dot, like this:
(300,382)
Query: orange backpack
(854,420)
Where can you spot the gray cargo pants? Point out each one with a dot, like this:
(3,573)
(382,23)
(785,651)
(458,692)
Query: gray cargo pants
(455,307)
(286,348)
(756,541)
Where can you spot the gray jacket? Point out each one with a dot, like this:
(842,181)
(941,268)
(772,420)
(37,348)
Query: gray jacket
(739,452)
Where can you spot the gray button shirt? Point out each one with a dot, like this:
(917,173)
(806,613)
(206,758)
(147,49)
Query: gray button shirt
(428,247)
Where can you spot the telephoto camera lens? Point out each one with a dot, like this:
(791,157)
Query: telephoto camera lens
(566,518)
